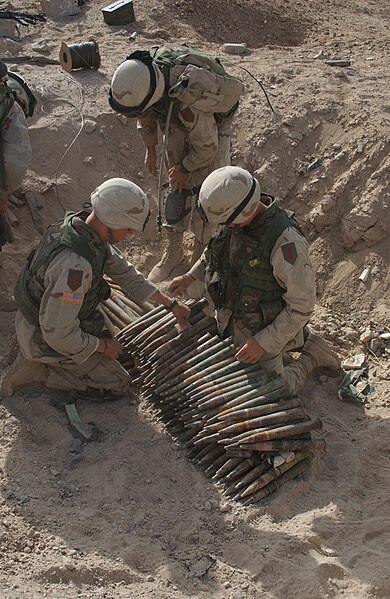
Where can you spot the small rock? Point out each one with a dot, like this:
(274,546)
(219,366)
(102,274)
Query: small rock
(366,336)
(89,160)
(360,148)
(89,126)
(296,135)
(354,362)
(41,46)
(227,584)
(124,149)
(234,48)
(122,118)
(375,345)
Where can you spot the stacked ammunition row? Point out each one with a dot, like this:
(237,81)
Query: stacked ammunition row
(119,311)
(238,422)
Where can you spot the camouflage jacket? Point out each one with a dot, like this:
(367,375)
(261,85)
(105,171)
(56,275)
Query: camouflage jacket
(199,124)
(61,285)
(265,287)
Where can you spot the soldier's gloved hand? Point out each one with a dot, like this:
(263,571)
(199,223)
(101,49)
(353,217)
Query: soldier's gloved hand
(177,177)
(110,348)
(180,285)
(151,160)
(182,313)
(249,351)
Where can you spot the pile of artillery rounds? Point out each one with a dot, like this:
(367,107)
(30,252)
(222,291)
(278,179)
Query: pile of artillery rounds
(239,424)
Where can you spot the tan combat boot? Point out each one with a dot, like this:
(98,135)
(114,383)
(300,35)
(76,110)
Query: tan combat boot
(22,372)
(172,257)
(320,353)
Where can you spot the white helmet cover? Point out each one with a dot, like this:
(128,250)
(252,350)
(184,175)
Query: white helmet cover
(121,204)
(136,85)
(229,195)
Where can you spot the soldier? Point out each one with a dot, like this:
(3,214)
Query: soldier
(15,148)
(203,100)
(59,330)
(258,273)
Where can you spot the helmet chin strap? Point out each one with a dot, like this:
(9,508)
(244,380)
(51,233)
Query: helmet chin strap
(109,233)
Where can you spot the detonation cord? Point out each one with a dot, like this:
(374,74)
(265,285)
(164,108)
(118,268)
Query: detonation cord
(161,171)
(261,85)
(79,108)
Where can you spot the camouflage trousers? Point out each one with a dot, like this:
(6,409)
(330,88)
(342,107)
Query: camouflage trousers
(96,372)
(178,148)
(293,375)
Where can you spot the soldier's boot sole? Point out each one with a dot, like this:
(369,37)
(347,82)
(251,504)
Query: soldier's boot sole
(22,372)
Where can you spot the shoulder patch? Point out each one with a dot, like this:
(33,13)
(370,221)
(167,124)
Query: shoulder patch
(187,115)
(290,252)
(75,278)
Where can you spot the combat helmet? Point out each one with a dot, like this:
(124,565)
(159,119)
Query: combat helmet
(136,84)
(121,204)
(229,195)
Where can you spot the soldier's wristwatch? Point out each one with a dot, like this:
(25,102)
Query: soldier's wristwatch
(172,305)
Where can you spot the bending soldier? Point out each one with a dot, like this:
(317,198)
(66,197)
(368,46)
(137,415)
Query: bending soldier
(59,330)
(203,100)
(16,103)
(258,273)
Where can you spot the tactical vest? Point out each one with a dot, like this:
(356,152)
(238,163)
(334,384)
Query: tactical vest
(168,57)
(71,233)
(239,273)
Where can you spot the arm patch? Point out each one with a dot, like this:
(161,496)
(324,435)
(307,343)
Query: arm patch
(290,253)
(75,278)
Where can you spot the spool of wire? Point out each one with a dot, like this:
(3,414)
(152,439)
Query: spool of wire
(79,56)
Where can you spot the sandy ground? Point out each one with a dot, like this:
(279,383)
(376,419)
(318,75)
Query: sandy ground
(128,515)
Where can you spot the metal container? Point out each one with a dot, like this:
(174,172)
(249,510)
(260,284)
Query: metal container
(119,13)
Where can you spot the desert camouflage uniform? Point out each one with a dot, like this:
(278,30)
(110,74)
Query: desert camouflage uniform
(294,273)
(16,147)
(59,342)
(198,140)
(16,150)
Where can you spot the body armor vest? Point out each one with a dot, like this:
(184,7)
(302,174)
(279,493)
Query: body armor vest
(167,57)
(239,274)
(71,233)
